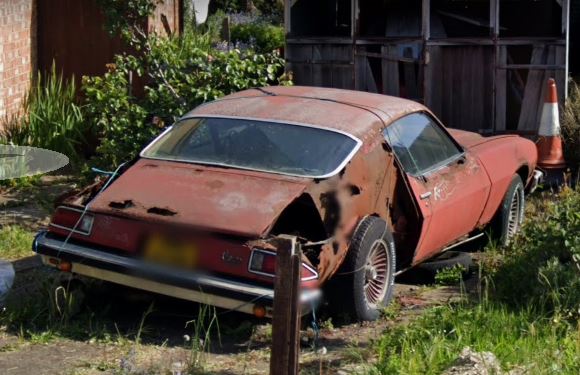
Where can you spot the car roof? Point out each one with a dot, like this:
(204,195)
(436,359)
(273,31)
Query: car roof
(358,113)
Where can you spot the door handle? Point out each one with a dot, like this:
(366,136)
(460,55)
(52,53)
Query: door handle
(425,195)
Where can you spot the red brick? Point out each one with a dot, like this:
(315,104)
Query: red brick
(17,29)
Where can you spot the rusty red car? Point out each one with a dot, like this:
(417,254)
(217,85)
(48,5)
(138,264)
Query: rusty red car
(370,185)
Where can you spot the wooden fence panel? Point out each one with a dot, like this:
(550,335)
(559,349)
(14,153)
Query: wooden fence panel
(71,33)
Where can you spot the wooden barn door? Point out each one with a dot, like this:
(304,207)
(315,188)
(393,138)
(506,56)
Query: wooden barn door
(459,85)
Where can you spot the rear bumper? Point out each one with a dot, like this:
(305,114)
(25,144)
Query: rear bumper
(196,287)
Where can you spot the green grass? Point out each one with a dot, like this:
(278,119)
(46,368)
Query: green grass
(527,312)
(15,242)
(450,276)
(517,338)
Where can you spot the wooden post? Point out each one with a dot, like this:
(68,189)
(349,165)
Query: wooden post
(225,34)
(286,315)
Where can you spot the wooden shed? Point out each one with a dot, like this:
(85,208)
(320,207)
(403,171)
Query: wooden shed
(480,65)
(71,33)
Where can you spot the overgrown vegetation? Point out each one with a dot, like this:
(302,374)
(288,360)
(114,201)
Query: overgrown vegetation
(147,90)
(263,36)
(271,8)
(179,73)
(571,127)
(527,313)
(543,266)
(450,276)
(15,242)
(520,338)
(51,117)
(54,308)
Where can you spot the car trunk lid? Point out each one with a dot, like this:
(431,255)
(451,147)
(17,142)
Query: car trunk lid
(230,201)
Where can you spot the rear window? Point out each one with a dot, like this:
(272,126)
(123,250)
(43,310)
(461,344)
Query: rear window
(256,145)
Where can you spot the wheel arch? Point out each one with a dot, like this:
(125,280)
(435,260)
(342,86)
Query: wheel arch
(524,173)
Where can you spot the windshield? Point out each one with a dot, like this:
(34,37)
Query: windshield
(256,145)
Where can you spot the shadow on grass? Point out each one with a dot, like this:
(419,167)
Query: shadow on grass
(103,312)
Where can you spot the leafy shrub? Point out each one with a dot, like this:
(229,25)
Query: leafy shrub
(120,14)
(267,8)
(119,120)
(50,118)
(180,73)
(451,275)
(571,127)
(263,36)
(542,268)
(528,315)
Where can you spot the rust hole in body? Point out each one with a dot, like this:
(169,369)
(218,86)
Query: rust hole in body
(121,205)
(354,190)
(161,211)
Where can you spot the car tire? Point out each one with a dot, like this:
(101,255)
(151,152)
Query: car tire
(448,259)
(510,215)
(369,270)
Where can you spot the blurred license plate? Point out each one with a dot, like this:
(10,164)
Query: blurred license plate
(162,250)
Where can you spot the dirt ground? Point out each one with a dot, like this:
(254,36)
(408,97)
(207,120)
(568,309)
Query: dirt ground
(166,342)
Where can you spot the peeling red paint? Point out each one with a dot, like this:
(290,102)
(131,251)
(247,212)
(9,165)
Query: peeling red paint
(226,209)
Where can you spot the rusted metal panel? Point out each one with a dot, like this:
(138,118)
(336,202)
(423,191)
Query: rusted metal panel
(228,201)
(502,155)
(226,213)
(457,195)
(353,112)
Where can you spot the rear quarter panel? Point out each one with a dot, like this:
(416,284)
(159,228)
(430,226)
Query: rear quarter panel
(502,157)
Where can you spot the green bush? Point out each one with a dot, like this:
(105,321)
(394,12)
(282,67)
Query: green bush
(264,37)
(180,73)
(119,120)
(542,265)
(571,127)
(526,311)
(51,117)
(269,8)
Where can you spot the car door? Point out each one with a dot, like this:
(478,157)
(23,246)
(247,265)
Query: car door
(450,185)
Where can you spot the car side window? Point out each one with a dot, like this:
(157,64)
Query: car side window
(419,143)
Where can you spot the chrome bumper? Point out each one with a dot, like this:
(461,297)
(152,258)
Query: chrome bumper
(196,287)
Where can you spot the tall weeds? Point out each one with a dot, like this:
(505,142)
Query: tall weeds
(528,310)
(571,127)
(50,117)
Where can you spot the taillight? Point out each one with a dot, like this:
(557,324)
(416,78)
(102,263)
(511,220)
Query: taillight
(263,262)
(73,220)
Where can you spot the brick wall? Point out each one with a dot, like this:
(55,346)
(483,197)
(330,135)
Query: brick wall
(17,52)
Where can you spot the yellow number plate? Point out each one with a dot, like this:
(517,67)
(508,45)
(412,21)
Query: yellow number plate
(164,251)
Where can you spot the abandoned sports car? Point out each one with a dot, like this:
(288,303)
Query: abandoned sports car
(368,184)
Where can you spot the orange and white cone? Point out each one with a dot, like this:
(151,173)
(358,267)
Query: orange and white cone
(549,145)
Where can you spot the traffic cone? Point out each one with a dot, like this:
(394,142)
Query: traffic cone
(549,145)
